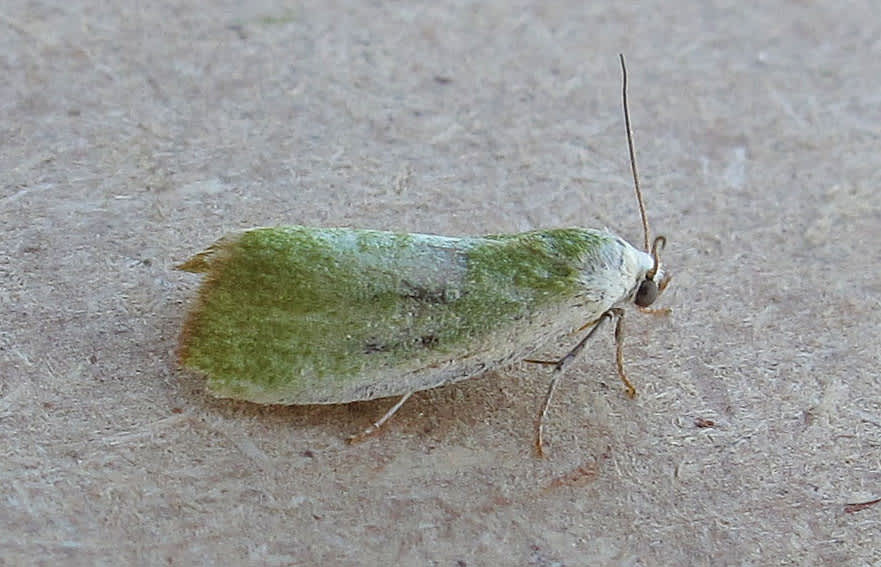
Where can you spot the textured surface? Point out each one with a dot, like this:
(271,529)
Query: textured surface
(132,134)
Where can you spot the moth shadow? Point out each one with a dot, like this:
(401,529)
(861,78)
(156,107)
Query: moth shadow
(490,405)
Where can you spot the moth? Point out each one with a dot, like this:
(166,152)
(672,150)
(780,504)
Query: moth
(301,315)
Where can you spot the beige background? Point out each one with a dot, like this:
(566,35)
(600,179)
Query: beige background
(134,134)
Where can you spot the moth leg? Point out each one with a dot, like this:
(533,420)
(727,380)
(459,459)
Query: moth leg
(619,354)
(569,356)
(587,325)
(545,362)
(659,311)
(539,438)
(358,437)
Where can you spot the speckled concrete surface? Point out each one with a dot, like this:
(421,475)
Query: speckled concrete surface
(134,134)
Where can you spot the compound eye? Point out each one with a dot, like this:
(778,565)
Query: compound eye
(647,293)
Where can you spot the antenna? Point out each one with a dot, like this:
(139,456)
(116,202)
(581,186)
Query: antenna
(645,220)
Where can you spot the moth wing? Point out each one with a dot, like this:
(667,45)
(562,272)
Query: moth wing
(298,315)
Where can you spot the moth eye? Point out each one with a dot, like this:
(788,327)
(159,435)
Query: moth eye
(647,293)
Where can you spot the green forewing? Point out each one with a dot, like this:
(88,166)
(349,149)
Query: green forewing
(294,314)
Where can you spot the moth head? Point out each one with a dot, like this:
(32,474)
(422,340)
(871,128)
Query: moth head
(655,280)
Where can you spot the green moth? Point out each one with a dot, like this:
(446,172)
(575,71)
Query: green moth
(301,315)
